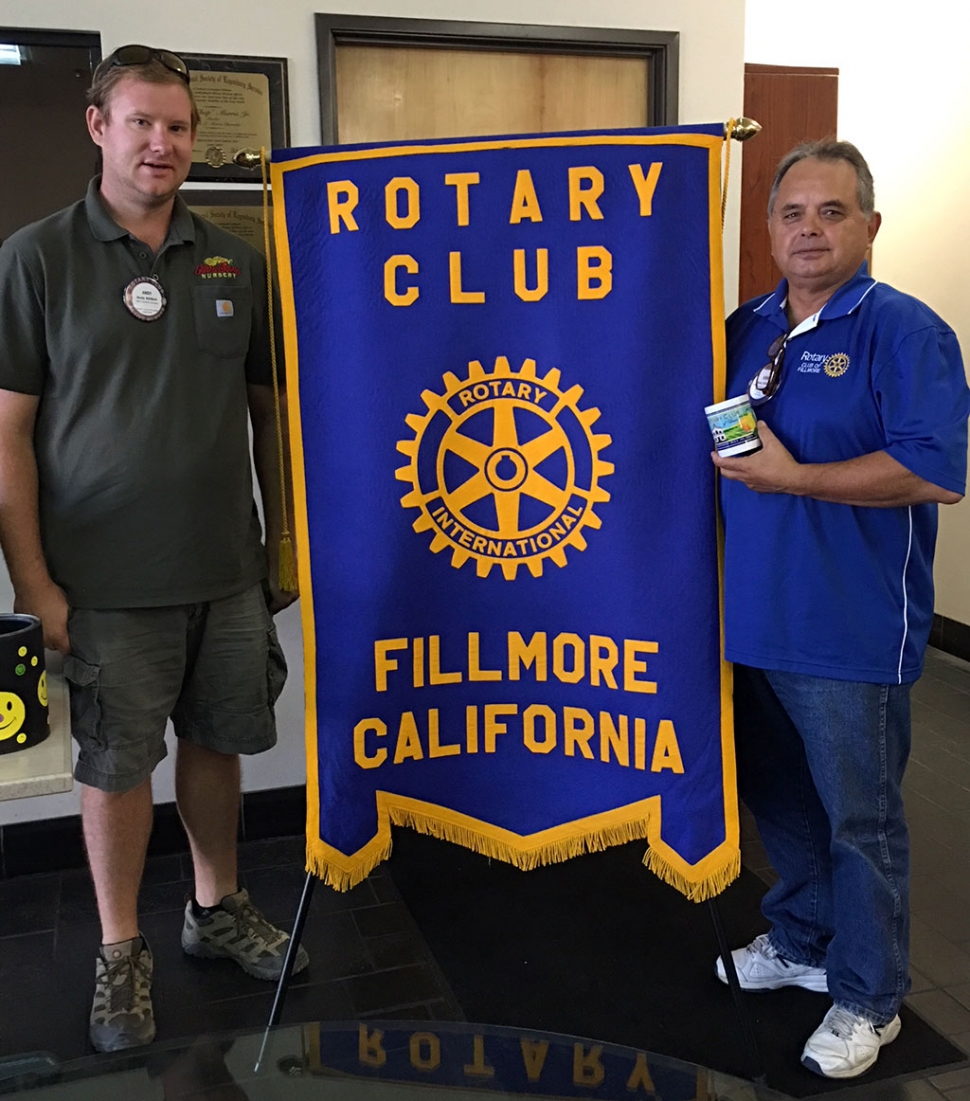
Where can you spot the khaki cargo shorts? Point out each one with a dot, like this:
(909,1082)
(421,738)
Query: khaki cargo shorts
(216,669)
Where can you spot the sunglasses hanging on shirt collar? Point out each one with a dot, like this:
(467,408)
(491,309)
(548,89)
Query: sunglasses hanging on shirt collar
(765,383)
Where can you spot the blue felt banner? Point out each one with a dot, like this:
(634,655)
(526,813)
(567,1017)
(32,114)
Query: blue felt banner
(498,356)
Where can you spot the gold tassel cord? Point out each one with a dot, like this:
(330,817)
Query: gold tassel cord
(737,129)
(728,136)
(287,578)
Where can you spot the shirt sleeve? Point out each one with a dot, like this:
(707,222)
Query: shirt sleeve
(923,397)
(23,352)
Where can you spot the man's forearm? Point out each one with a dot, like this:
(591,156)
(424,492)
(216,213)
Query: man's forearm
(266,462)
(876,480)
(34,590)
(19,519)
(266,459)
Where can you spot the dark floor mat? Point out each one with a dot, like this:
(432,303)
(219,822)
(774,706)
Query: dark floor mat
(600,947)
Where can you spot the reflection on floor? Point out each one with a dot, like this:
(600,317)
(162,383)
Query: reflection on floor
(369,960)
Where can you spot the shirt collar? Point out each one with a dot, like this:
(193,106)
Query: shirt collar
(181,228)
(843,302)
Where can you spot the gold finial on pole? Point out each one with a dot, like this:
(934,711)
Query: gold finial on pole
(249,158)
(743,128)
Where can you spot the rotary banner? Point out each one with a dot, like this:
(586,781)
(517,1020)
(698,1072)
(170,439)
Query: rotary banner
(498,356)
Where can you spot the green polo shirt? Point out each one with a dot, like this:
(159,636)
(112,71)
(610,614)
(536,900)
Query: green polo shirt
(142,434)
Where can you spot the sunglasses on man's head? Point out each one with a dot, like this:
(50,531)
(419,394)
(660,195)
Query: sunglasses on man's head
(142,55)
(765,383)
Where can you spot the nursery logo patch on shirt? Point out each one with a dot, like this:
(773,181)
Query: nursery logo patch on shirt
(215,266)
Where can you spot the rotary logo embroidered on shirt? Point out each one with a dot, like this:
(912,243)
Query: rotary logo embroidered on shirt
(836,365)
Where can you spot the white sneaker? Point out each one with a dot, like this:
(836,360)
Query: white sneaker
(759,967)
(845,1045)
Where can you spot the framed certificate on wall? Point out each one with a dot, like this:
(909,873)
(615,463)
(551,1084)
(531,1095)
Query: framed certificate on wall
(244,105)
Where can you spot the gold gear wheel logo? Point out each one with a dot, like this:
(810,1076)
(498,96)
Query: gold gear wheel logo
(505,468)
(836,365)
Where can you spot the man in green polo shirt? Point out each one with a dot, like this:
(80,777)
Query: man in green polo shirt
(136,355)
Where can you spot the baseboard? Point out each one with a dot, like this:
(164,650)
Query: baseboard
(951,636)
(56,844)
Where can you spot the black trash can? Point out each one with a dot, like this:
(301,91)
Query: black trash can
(23,683)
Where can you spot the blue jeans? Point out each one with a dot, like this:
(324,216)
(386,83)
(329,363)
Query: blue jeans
(820,765)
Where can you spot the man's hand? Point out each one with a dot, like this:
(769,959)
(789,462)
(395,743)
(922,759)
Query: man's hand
(770,470)
(278,598)
(50,605)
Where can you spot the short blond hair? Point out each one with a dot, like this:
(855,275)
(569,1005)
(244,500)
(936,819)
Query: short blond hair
(107,76)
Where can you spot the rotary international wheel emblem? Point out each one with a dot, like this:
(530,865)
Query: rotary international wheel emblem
(836,365)
(505,468)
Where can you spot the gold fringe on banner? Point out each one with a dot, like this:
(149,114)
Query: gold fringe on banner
(695,892)
(553,846)
(343,878)
(555,852)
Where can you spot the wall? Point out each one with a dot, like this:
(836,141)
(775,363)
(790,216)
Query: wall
(904,99)
(711,88)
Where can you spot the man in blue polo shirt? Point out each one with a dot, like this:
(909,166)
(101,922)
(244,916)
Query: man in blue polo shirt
(829,537)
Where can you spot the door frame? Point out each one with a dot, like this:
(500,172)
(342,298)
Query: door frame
(82,40)
(660,49)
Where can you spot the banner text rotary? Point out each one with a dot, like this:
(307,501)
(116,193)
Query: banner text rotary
(585,186)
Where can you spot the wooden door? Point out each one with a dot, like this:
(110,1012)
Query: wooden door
(793,105)
(392,93)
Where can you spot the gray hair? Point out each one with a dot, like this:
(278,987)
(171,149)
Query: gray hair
(828,149)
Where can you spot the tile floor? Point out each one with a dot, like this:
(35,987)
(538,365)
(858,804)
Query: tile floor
(369,959)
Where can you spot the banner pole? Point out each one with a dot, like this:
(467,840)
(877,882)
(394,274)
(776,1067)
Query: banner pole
(285,975)
(747,1031)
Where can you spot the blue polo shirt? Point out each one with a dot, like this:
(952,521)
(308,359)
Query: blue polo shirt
(831,590)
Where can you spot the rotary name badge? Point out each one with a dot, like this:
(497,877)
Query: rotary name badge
(145,298)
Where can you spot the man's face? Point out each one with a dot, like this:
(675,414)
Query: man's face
(146,138)
(819,236)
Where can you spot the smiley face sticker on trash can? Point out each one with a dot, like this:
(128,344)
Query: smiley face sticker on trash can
(23,683)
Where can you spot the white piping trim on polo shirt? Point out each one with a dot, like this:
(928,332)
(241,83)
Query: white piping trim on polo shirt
(909,548)
(871,286)
(810,322)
